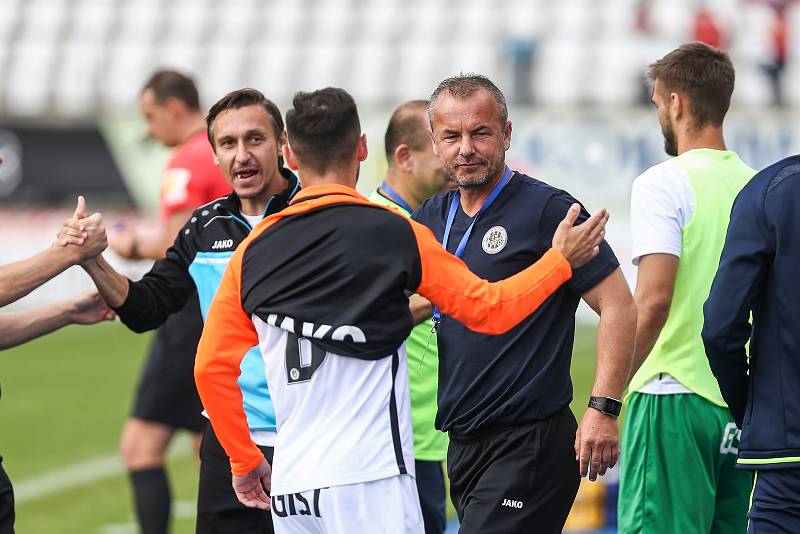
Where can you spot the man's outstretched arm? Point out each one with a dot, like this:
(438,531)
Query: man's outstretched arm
(20,278)
(17,328)
(496,307)
(145,304)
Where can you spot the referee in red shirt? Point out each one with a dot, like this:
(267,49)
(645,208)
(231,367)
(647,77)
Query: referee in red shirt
(167,399)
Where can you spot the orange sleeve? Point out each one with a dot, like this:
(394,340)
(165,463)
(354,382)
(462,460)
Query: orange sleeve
(227,335)
(482,306)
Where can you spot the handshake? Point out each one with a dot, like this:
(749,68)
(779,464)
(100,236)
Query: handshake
(83,235)
(83,238)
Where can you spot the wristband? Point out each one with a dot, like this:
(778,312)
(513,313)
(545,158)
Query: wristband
(606,405)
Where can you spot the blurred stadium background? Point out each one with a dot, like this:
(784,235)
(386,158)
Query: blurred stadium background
(70,74)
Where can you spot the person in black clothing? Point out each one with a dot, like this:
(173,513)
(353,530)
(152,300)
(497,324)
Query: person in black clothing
(515,449)
(246,131)
(757,275)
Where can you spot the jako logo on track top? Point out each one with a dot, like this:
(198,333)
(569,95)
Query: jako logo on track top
(222,243)
(510,503)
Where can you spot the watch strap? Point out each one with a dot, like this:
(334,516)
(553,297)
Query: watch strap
(607,405)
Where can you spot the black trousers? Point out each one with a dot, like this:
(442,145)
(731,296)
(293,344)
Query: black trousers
(515,480)
(6,502)
(430,486)
(218,509)
(776,502)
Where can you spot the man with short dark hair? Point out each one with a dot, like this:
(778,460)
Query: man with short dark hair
(170,105)
(515,451)
(415,174)
(330,314)
(166,399)
(679,441)
(246,132)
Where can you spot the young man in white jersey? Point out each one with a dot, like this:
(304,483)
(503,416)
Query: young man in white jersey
(321,288)
(680,442)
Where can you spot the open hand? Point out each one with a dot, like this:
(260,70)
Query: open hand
(249,489)
(596,443)
(581,243)
(89,308)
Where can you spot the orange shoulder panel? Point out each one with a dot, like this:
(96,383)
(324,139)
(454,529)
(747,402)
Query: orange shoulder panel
(227,336)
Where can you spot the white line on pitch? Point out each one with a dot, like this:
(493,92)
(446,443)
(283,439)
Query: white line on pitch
(83,473)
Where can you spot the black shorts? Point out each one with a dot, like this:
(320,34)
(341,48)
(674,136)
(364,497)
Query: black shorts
(513,479)
(6,502)
(167,393)
(218,509)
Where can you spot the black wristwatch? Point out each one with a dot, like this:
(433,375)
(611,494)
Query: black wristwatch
(607,405)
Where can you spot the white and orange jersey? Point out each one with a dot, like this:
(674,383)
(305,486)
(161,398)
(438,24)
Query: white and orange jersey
(321,288)
(340,420)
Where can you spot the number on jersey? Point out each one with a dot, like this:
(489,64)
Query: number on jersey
(303,358)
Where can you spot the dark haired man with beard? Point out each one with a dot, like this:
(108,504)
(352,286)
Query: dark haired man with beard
(515,449)
(680,441)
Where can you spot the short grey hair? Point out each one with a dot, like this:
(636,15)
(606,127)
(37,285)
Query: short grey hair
(465,85)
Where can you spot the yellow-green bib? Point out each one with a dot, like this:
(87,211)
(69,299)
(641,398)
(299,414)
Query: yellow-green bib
(716,177)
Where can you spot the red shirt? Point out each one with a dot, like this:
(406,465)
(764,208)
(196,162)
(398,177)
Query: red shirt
(191,178)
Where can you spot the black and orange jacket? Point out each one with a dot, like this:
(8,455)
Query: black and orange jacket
(333,258)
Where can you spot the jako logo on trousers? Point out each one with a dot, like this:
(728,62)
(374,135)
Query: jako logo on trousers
(512,504)
(222,243)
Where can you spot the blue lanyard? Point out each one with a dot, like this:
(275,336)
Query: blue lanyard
(437,315)
(396,198)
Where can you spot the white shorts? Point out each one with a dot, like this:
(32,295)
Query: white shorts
(385,506)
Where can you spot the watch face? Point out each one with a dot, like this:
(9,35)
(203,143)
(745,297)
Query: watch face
(613,406)
(606,405)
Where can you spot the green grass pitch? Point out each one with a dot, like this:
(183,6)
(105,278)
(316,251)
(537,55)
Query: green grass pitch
(64,400)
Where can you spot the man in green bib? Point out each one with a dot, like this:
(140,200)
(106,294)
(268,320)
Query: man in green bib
(679,442)
(415,174)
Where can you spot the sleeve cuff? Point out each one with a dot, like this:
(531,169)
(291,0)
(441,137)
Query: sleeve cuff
(131,309)
(131,302)
(557,261)
(637,254)
(242,468)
